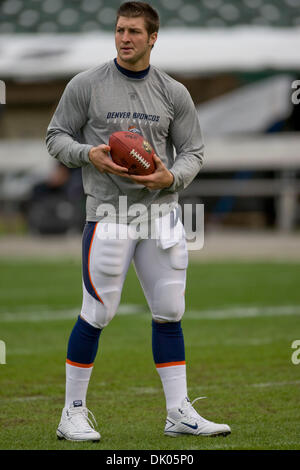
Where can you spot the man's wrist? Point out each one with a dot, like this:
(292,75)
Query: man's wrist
(171,178)
(90,154)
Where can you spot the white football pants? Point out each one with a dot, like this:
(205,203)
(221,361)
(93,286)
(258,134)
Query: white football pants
(162,274)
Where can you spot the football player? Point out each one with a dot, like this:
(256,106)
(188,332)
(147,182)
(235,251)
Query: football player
(127,92)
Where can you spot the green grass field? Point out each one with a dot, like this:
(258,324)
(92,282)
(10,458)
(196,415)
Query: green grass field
(240,322)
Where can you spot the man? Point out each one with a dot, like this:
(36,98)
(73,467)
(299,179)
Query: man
(122,94)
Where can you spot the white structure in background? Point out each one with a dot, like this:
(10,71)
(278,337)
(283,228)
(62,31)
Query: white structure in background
(193,51)
(251,108)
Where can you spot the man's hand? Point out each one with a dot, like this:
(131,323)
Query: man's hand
(161,178)
(102,161)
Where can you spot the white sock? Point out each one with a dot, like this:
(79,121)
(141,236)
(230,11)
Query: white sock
(77,381)
(173,380)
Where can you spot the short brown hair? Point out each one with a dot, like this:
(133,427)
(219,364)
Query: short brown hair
(136,9)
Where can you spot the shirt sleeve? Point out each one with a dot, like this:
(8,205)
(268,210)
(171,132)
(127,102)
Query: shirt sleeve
(186,137)
(70,116)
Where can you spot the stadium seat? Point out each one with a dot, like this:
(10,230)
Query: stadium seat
(69,16)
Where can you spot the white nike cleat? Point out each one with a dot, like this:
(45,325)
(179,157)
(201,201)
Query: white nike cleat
(75,424)
(186,420)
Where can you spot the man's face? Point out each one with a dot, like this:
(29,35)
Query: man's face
(133,43)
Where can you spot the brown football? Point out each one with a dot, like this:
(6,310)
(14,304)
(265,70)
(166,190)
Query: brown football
(131,150)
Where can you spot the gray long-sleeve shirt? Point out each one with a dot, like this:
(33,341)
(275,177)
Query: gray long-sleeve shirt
(103,100)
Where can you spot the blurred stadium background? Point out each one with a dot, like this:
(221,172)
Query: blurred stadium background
(238,58)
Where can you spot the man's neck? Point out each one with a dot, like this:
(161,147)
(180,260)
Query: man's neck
(136,67)
(132,73)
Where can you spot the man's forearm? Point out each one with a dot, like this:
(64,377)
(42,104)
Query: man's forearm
(65,149)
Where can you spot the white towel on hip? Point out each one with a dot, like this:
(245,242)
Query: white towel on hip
(169,230)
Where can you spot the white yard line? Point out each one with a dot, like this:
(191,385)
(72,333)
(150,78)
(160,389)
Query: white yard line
(53,315)
(275,384)
(132,309)
(244,312)
(41,316)
(25,399)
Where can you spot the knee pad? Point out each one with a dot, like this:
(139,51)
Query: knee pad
(97,313)
(169,302)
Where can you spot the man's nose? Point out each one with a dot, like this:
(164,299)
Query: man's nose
(125,37)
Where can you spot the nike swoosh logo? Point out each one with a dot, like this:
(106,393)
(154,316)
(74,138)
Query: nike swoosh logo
(192,426)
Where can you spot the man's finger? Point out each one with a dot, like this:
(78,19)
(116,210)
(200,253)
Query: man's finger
(118,168)
(111,166)
(157,160)
(104,148)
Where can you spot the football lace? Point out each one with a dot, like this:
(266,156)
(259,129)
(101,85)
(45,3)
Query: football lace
(140,159)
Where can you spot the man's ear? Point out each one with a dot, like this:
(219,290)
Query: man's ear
(152,39)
